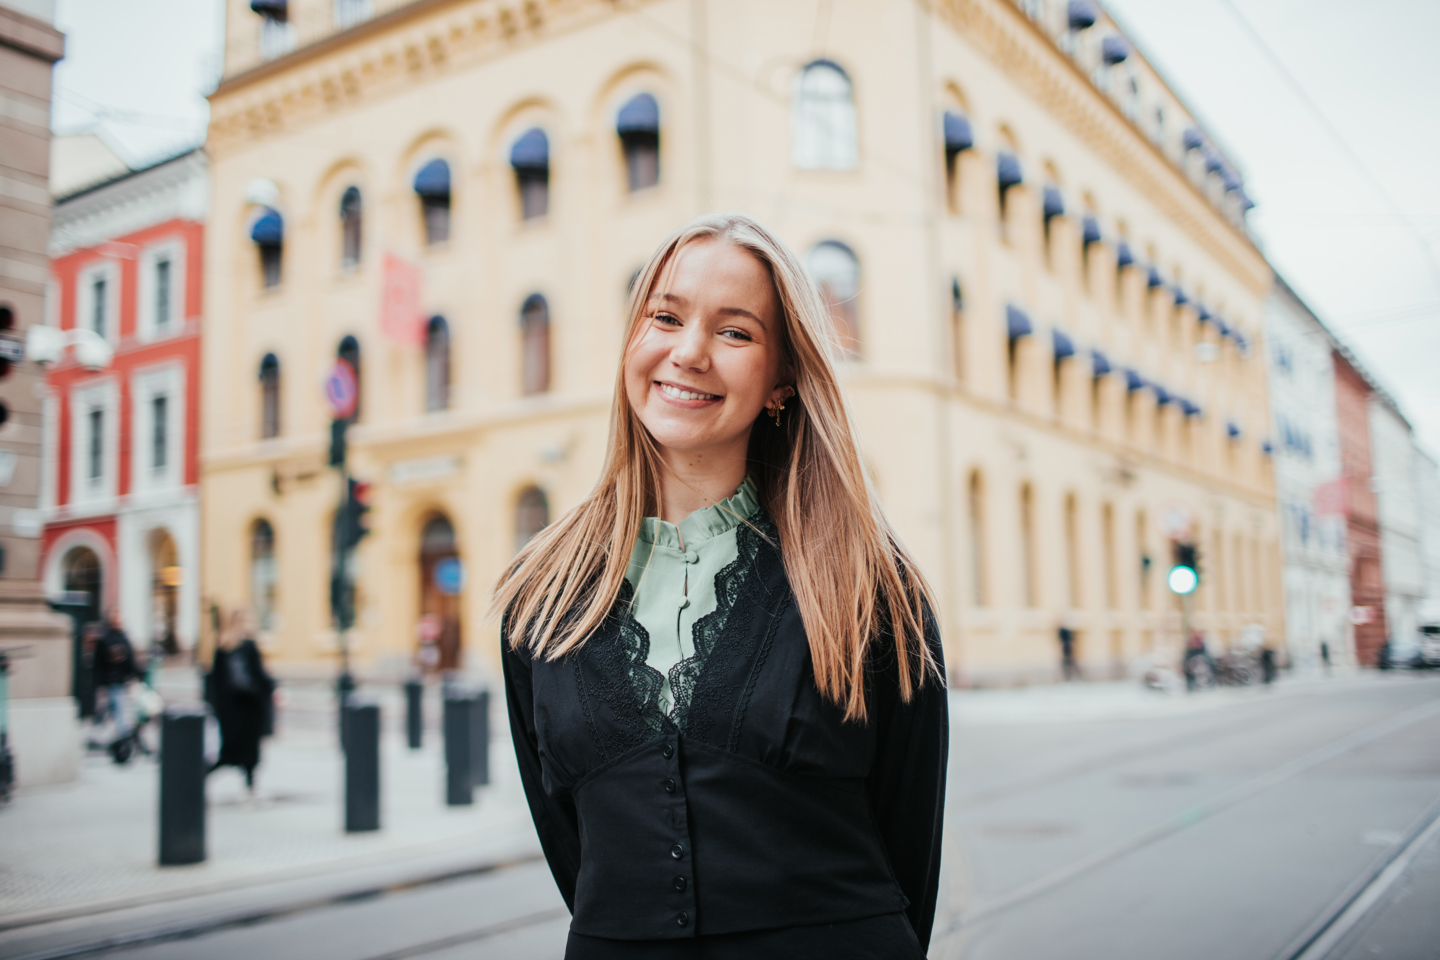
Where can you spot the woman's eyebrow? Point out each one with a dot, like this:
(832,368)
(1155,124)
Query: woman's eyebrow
(741,312)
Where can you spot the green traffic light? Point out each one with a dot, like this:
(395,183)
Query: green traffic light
(1182,580)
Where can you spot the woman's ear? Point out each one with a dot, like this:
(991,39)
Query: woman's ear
(780,394)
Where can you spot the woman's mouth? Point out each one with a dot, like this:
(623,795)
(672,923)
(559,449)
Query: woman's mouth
(680,393)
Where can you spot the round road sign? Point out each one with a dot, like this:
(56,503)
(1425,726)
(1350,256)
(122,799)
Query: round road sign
(342,391)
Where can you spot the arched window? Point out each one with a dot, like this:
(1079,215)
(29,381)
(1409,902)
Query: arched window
(979,581)
(262,574)
(349,351)
(530,159)
(269,397)
(268,233)
(836,272)
(959,137)
(638,126)
(350,227)
(532,514)
(822,121)
(442,578)
(535,345)
(437,364)
(432,186)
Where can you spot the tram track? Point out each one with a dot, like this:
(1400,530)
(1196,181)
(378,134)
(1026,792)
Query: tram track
(1190,816)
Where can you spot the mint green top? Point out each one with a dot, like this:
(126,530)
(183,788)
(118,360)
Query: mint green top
(672,570)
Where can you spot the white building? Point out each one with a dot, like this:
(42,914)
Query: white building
(1392,457)
(1305,444)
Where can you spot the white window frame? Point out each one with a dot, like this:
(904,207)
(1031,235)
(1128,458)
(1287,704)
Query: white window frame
(824,130)
(146,384)
(103,395)
(49,450)
(109,270)
(172,249)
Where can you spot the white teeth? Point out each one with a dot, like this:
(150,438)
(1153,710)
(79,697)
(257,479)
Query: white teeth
(679,394)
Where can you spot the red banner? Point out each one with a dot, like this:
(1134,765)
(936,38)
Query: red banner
(401,319)
(1333,497)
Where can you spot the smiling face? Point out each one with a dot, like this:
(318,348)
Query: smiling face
(706,359)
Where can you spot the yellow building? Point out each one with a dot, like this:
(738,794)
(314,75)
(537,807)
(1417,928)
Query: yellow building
(1001,201)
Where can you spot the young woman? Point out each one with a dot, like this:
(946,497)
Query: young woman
(725,684)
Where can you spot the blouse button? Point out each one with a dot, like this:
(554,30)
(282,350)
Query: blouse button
(677,851)
(669,785)
(682,918)
(680,884)
(684,602)
(691,556)
(668,751)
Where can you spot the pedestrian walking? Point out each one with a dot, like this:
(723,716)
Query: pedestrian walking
(1069,669)
(722,662)
(1199,669)
(240,692)
(1267,664)
(114,666)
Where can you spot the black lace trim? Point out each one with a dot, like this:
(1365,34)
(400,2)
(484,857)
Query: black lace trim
(611,668)
(698,682)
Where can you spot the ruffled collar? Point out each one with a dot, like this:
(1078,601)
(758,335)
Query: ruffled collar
(705,523)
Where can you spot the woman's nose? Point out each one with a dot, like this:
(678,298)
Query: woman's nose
(692,351)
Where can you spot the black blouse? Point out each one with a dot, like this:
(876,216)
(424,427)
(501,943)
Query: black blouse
(752,805)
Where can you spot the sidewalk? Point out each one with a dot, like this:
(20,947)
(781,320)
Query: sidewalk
(90,846)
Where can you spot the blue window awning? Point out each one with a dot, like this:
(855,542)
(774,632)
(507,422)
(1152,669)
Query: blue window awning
(1099,364)
(1241,341)
(1007,167)
(1246,204)
(1114,49)
(1202,314)
(1090,231)
(532,151)
(641,114)
(433,180)
(269,230)
(1267,448)
(1082,14)
(1133,380)
(1064,347)
(1213,163)
(1223,327)
(1181,298)
(274,9)
(1017,323)
(1123,256)
(1153,278)
(1054,202)
(1191,408)
(958,134)
(1232,430)
(1162,396)
(1192,138)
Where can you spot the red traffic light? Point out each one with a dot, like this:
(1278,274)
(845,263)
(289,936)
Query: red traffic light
(360,491)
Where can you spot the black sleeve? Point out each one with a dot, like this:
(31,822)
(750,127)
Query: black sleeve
(907,783)
(555,819)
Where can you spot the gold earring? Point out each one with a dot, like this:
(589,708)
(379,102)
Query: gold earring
(780,405)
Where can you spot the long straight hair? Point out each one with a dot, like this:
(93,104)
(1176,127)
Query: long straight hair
(851,577)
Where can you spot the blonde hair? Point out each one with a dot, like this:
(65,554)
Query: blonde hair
(852,580)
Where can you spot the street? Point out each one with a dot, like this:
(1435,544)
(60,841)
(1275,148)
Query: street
(1088,821)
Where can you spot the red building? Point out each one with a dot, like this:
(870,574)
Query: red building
(120,493)
(1353,392)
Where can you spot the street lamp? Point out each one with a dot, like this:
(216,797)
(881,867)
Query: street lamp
(47,345)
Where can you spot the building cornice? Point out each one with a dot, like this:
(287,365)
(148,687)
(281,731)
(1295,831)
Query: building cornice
(1002,33)
(28,35)
(176,189)
(405,46)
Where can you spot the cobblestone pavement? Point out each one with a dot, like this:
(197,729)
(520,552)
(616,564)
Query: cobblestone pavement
(91,845)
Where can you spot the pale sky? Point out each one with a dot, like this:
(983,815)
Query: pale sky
(137,71)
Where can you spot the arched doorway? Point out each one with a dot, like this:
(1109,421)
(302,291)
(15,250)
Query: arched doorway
(165,578)
(83,578)
(442,577)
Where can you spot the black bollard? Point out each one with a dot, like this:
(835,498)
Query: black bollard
(414,711)
(344,686)
(480,737)
(362,765)
(182,785)
(459,787)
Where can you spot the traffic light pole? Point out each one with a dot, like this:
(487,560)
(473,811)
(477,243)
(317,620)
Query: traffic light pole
(339,603)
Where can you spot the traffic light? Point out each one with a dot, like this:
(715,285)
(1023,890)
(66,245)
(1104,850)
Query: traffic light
(337,442)
(1184,576)
(353,523)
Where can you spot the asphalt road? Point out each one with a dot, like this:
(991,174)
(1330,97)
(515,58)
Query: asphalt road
(1277,825)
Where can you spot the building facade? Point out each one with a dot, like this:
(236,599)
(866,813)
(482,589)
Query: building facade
(1394,476)
(1427,494)
(1353,396)
(1048,308)
(1309,482)
(121,480)
(43,734)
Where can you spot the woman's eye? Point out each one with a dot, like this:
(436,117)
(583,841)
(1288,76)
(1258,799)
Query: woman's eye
(735,334)
(667,318)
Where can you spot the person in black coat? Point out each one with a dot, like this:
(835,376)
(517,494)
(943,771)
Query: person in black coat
(114,665)
(239,691)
